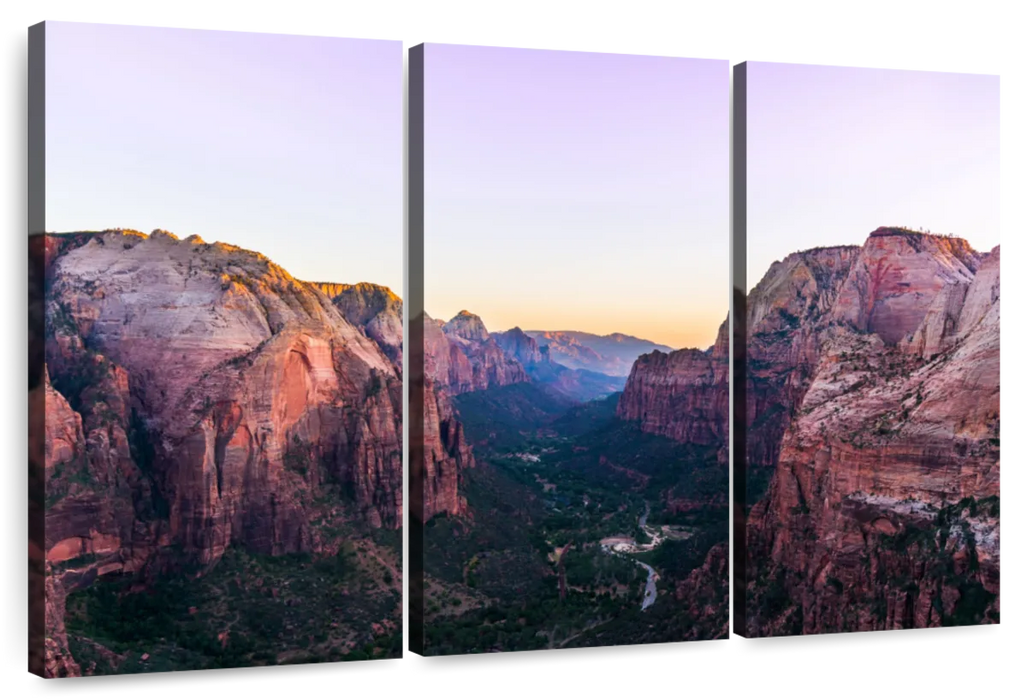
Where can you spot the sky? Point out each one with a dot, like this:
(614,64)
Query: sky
(577,191)
(287,145)
(833,153)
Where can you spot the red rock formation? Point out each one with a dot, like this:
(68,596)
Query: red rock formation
(875,394)
(704,595)
(57,659)
(519,345)
(461,356)
(898,421)
(373,308)
(784,315)
(683,395)
(466,326)
(896,278)
(247,376)
(446,454)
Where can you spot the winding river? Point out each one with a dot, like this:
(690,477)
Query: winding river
(622,546)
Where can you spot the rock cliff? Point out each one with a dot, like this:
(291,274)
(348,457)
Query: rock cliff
(243,390)
(683,395)
(375,309)
(872,433)
(461,356)
(519,345)
(882,510)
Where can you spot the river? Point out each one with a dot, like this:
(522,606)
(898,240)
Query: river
(624,547)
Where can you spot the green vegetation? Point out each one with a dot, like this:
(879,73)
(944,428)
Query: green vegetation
(82,387)
(248,610)
(587,417)
(68,477)
(374,386)
(505,415)
(928,546)
(296,457)
(551,483)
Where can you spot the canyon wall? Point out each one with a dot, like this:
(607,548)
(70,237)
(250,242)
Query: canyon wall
(462,356)
(198,397)
(883,444)
(872,430)
(683,395)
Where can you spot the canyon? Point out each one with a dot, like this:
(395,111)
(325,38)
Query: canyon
(612,354)
(199,399)
(204,411)
(873,438)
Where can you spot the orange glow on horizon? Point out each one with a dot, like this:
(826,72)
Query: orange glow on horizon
(696,328)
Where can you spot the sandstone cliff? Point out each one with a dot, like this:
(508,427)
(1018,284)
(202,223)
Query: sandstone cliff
(683,395)
(872,411)
(242,375)
(379,313)
(199,397)
(375,309)
(882,510)
(461,356)
(519,345)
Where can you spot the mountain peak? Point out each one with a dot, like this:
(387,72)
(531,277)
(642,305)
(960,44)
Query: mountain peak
(378,293)
(467,326)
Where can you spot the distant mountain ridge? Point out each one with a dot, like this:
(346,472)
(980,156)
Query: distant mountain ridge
(612,354)
(462,355)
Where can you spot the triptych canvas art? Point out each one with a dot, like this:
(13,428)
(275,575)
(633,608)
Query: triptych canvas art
(631,307)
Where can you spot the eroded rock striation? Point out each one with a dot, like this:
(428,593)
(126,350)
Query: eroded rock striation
(242,374)
(199,397)
(375,309)
(882,509)
(885,507)
(462,356)
(683,395)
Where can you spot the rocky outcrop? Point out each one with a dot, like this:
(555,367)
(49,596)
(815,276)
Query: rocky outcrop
(519,345)
(704,596)
(882,510)
(785,314)
(983,294)
(461,356)
(466,326)
(373,308)
(57,659)
(940,324)
(897,277)
(683,395)
(242,389)
(446,454)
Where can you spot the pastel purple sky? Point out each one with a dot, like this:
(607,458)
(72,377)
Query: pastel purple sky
(833,153)
(288,145)
(577,191)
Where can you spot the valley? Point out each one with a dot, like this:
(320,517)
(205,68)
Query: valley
(255,478)
(570,537)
